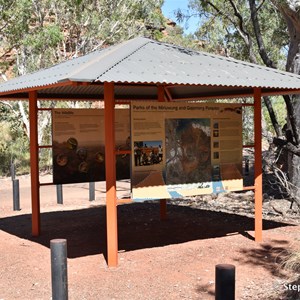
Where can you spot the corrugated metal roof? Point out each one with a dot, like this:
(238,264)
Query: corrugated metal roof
(142,60)
(161,63)
(52,75)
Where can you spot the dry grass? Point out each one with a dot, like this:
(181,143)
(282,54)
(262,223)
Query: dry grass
(292,262)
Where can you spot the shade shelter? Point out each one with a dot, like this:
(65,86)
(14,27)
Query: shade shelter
(144,69)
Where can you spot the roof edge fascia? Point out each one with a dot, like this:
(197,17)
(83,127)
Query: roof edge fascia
(38,88)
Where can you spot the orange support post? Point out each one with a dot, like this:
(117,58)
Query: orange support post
(258,165)
(163,202)
(110,172)
(163,209)
(34,164)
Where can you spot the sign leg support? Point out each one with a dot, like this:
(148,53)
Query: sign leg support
(34,164)
(258,165)
(163,209)
(163,202)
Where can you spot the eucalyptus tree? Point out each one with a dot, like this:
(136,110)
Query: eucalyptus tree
(290,12)
(39,33)
(227,26)
(36,34)
(263,32)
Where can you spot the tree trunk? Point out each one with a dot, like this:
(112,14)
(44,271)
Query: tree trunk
(272,115)
(292,18)
(294,159)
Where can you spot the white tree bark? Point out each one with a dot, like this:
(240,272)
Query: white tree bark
(24,117)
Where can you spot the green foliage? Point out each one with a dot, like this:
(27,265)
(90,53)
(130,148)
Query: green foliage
(280,111)
(223,26)
(248,125)
(14,146)
(38,33)
(175,35)
(42,33)
(43,38)
(226,28)
(14,22)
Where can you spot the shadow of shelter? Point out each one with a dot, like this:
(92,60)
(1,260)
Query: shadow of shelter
(139,227)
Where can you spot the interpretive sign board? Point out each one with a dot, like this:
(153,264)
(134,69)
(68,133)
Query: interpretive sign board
(79,148)
(185,149)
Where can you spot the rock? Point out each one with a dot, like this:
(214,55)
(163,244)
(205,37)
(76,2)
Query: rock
(207,198)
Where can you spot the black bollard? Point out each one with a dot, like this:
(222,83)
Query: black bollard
(225,282)
(59,274)
(16,194)
(59,194)
(247,167)
(92,191)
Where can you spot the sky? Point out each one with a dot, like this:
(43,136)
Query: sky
(168,10)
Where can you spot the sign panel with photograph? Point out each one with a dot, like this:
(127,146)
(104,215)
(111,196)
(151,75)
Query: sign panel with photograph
(184,149)
(79,148)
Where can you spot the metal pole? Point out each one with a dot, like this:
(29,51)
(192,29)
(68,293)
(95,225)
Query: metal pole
(92,191)
(59,269)
(225,282)
(247,167)
(59,194)
(16,194)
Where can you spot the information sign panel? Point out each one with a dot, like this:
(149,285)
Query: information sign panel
(79,148)
(185,149)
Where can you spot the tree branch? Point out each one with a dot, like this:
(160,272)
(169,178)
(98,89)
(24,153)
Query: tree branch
(220,12)
(272,114)
(8,104)
(239,27)
(24,117)
(260,5)
(261,46)
(244,34)
(290,147)
(291,118)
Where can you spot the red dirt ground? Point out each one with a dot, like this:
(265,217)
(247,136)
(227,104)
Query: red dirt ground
(172,259)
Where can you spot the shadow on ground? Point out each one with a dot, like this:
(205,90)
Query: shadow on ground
(138,225)
(268,256)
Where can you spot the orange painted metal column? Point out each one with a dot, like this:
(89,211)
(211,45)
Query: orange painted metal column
(163,202)
(110,172)
(34,164)
(258,165)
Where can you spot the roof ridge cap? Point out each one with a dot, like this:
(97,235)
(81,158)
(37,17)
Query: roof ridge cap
(141,42)
(128,48)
